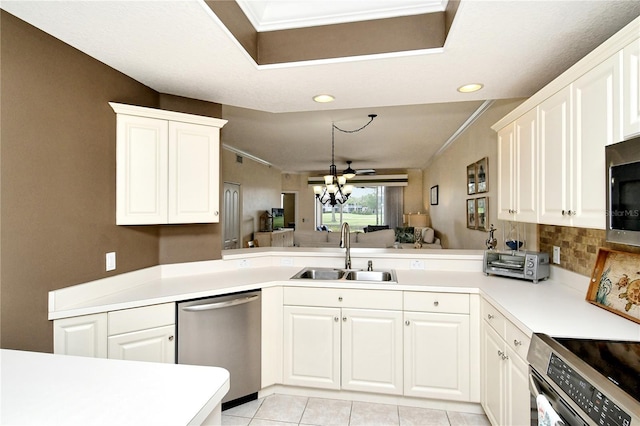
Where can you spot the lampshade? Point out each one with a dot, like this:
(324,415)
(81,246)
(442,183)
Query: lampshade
(418,220)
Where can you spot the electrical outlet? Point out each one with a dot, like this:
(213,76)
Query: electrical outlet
(244,263)
(417,264)
(286,261)
(556,254)
(111,261)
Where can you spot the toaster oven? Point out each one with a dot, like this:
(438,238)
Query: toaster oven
(526,265)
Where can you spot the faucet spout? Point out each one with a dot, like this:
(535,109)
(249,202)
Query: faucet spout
(345,242)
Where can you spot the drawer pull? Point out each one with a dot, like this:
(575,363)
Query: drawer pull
(516,342)
(436,303)
(171,338)
(489,316)
(407,322)
(336,319)
(339,298)
(344,319)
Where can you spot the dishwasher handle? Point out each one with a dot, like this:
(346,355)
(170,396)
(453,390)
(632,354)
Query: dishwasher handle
(220,305)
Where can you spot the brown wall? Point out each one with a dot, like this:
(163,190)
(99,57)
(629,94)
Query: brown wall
(57,177)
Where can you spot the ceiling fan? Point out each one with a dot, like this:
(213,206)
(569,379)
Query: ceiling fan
(350,173)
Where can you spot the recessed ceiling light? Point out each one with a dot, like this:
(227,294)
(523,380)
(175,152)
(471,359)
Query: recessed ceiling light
(468,88)
(323,98)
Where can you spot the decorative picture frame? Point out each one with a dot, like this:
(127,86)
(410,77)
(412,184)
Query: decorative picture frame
(615,283)
(482,213)
(434,195)
(471,179)
(472,219)
(482,175)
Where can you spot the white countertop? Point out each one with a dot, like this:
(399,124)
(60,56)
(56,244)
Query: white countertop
(39,389)
(556,306)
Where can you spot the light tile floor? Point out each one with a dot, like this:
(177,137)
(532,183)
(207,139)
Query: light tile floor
(290,410)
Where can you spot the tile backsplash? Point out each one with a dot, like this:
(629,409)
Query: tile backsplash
(578,246)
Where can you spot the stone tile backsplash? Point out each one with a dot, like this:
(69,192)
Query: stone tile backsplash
(578,246)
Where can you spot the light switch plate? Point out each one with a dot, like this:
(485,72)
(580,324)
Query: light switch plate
(244,263)
(286,261)
(111,261)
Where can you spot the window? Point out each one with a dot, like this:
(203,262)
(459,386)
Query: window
(366,206)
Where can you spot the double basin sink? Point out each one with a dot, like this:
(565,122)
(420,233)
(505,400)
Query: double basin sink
(333,274)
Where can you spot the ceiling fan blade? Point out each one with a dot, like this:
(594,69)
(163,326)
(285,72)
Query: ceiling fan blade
(365,172)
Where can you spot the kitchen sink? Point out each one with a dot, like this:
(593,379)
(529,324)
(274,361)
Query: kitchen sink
(334,274)
(320,274)
(382,276)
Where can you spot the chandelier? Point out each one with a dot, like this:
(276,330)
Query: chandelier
(335,189)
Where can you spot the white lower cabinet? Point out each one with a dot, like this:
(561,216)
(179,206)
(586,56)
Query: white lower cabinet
(81,336)
(436,356)
(505,373)
(155,345)
(141,334)
(362,340)
(372,351)
(336,347)
(312,346)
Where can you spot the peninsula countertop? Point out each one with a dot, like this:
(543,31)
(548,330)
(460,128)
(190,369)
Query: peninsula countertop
(556,306)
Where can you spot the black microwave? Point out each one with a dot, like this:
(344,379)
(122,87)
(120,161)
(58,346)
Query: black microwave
(623,192)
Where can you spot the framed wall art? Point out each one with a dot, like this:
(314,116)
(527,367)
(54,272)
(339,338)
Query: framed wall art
(434,195)
(482,175)
(471,179)
(482,213)
(471,214)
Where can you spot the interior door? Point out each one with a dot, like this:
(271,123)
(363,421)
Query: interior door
(231,218)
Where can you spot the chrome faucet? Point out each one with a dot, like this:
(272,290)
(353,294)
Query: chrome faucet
(345,242)
(370,265)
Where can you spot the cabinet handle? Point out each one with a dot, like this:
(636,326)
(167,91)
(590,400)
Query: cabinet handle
(436,303)
(505,357)
(489,316)
(216,213)
(516,342)
(171,338)
(344,319)
(500,353)
(407,322)
(340,299)
(336,319)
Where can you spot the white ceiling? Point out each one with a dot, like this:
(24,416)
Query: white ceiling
(180,47)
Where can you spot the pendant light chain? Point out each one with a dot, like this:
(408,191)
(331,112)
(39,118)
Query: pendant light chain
(335,190)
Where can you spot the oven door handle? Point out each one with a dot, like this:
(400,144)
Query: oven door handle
(533,388)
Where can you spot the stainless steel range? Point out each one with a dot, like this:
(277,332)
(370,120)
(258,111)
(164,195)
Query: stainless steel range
(586,382)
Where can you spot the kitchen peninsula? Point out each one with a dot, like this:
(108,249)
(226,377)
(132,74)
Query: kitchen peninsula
(432,288)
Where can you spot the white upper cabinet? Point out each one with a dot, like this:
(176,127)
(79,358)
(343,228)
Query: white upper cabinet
(555,151)
(518,169)
(596,110)
(575,125)
(631,90)
(168,167)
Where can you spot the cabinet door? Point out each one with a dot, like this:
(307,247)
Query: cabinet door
(436,355)
(372,351)
(312,346)
(506,173)
(141,176)
(517,390)
(631,90)
(596,104)
(194,173)
(154,345)
(526,167)
(493,376)
(555,150)
(81,336)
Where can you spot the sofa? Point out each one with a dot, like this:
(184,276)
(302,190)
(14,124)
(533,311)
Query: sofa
(384,238)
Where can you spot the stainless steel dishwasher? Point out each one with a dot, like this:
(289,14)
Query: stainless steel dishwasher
(224,331)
